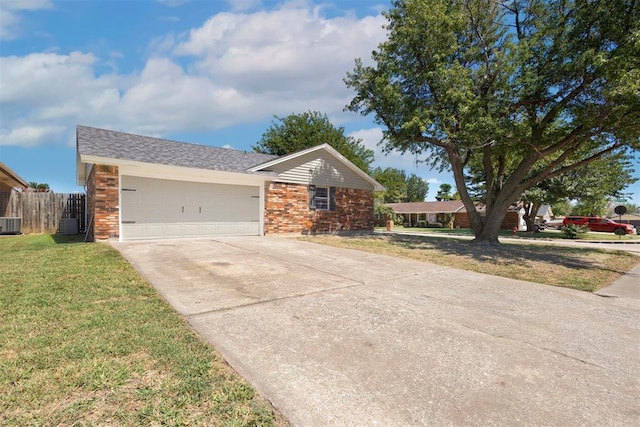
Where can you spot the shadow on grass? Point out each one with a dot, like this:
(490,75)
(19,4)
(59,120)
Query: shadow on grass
(573,258)
(68,238)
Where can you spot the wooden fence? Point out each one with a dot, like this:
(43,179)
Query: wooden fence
(43,212)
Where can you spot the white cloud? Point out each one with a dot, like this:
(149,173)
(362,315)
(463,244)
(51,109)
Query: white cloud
(291,53)
(59,92)
(10,15)
(30,136)
(237,68)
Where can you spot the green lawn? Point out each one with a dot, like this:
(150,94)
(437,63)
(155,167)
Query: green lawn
(584,269)
(85,340)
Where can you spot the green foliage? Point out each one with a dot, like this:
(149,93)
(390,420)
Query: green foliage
(589,208)
(39,186)
(300,131)
(525,91)
(382,211)
(448,219)
(572,231)
(591,185)
(399,186)
(417,188)
(561,207)
(444,193)
(395,182)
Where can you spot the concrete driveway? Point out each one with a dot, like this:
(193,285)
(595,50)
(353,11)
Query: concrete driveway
(339,337)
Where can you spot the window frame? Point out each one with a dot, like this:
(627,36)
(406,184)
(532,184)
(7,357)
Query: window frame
(330,198)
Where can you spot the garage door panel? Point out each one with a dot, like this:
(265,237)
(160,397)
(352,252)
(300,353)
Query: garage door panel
(155,208)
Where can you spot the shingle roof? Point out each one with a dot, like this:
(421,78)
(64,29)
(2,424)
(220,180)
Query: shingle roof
(125,146)
(449,206)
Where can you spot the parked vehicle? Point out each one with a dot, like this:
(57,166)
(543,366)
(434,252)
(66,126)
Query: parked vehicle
(600,224)
(553,224)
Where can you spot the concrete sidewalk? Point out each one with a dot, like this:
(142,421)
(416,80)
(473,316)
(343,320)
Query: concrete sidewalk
(336,337)
(628,286)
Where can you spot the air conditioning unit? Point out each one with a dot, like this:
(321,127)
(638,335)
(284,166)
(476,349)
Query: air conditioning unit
(68,226)
(10,225)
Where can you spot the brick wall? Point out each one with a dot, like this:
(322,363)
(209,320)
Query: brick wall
(103,202)
(287,211)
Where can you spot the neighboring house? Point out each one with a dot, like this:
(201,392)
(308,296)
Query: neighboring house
(140,187)
(418,214)
(9,180)
(544,213)
(628,218)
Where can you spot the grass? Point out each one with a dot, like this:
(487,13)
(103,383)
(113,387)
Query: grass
(576,268)
(544,235)
(85,340)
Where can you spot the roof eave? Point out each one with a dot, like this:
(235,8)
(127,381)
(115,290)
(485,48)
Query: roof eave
(84,159)
(16,180)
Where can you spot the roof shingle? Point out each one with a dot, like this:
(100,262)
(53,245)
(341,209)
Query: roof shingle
(126,146)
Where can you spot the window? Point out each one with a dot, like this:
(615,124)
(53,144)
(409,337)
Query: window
(322,198)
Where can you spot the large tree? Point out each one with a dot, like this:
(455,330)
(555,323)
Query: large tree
(417,188)
(528,89)
(400,187)
(591,185)
(299,131)
(444,193)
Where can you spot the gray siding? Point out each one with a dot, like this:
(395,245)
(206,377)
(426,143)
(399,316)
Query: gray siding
(319,168)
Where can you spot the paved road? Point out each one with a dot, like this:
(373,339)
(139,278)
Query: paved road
(339,337)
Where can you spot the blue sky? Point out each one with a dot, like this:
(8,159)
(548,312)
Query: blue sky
(205,71)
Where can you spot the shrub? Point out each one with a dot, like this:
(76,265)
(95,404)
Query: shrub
(572,231)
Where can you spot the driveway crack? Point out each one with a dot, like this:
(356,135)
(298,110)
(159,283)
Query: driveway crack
(559,353)
(264,301)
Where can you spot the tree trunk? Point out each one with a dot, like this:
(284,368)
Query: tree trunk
(531,211)
(488,234)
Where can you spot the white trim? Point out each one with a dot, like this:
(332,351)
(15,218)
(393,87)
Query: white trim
(329,149)
(179,173)
(120,231)
(261,205)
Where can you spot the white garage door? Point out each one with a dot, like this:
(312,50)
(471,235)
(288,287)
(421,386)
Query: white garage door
(158,208)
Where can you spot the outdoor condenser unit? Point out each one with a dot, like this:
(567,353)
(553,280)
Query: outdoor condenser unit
(10,225)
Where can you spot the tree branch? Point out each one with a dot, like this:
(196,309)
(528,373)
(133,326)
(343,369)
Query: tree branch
(548,172)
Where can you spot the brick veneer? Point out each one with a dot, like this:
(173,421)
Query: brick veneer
(103,202)
(287,211)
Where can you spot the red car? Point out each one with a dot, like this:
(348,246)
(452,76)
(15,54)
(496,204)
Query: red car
(600,224)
